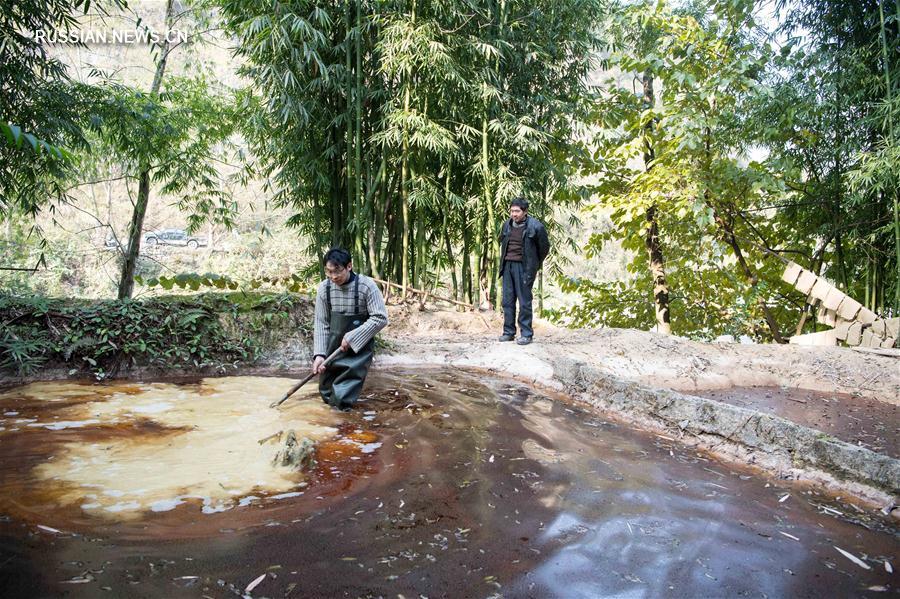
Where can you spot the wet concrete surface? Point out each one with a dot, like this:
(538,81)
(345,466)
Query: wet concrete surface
(480,487)
(861,421)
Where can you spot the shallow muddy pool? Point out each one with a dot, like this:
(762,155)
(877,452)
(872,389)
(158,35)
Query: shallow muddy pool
(440,483)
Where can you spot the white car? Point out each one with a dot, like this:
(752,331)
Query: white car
(178,237)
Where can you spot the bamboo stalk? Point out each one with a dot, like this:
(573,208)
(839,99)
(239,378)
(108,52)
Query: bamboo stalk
(890,119)
(358,142)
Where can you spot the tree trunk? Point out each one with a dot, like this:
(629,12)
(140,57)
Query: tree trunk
(749,275)
(658,272)
(129,264)
(126,281)
(375,219)
(657,263)
(890,120)
(466,263)
(404,174)
(446,232)
(490,247)
(358,143)
(335,202)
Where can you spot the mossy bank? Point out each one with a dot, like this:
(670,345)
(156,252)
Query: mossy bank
(208,333)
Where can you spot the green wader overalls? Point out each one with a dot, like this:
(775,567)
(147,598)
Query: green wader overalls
(343,379)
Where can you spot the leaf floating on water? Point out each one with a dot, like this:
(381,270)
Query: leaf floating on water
(348,559)
(888,567)
(491,459)
(49,529)
(788,536)
(255,583)
(853,558)
(785,498)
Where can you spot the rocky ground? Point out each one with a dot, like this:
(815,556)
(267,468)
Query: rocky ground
(469,339)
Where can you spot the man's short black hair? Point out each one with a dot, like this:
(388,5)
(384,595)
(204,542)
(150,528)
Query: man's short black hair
(338,256)
(520,202)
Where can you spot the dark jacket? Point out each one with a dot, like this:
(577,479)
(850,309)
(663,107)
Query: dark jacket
(535,246)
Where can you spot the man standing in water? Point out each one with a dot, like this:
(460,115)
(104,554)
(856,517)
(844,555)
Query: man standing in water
(523,247)
(349,312)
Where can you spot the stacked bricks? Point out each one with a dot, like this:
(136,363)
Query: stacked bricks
(852,323)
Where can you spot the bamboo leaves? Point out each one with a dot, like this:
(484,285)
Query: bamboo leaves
(382,99)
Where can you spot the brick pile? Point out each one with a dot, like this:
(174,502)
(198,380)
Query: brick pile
(852,323)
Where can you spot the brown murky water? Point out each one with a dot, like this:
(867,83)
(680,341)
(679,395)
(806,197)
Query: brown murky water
(861,421)
(438,484)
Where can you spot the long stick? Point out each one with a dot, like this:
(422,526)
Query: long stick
(294,389)
(426,293)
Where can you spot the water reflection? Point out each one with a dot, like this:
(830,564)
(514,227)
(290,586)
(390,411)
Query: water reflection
(439,483)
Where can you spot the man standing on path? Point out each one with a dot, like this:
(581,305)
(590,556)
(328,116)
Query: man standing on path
(349,312)
(523,247)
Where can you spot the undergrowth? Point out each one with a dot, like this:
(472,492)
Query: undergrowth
(212,331)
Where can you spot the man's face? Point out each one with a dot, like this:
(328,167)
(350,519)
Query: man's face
(516,213)
(337,273)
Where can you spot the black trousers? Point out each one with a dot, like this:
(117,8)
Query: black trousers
(516,289)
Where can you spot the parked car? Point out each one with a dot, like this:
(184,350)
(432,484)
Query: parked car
(178,237)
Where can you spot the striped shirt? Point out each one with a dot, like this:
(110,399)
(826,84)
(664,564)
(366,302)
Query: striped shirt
(370,300)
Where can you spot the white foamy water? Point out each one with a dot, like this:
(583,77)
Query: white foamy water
(196,443)
(58,426)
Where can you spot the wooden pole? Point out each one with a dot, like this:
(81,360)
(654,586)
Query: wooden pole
(294,389)
(425,293)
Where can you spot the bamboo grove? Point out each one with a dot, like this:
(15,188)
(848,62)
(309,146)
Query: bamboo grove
(401,130)
(713,142)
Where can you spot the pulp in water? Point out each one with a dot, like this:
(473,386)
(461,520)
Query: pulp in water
(188,443)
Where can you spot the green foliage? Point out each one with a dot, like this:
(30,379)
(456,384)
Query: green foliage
(181,135)
(827,124)
(202,332)
(41,109)
(401,130)
(18,139)
(679,156)
(612,304)
(194,282)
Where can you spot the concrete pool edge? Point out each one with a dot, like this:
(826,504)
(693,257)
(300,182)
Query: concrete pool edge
(779,446)
(785,444)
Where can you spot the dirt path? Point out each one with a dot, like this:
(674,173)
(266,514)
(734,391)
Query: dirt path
(440,336)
